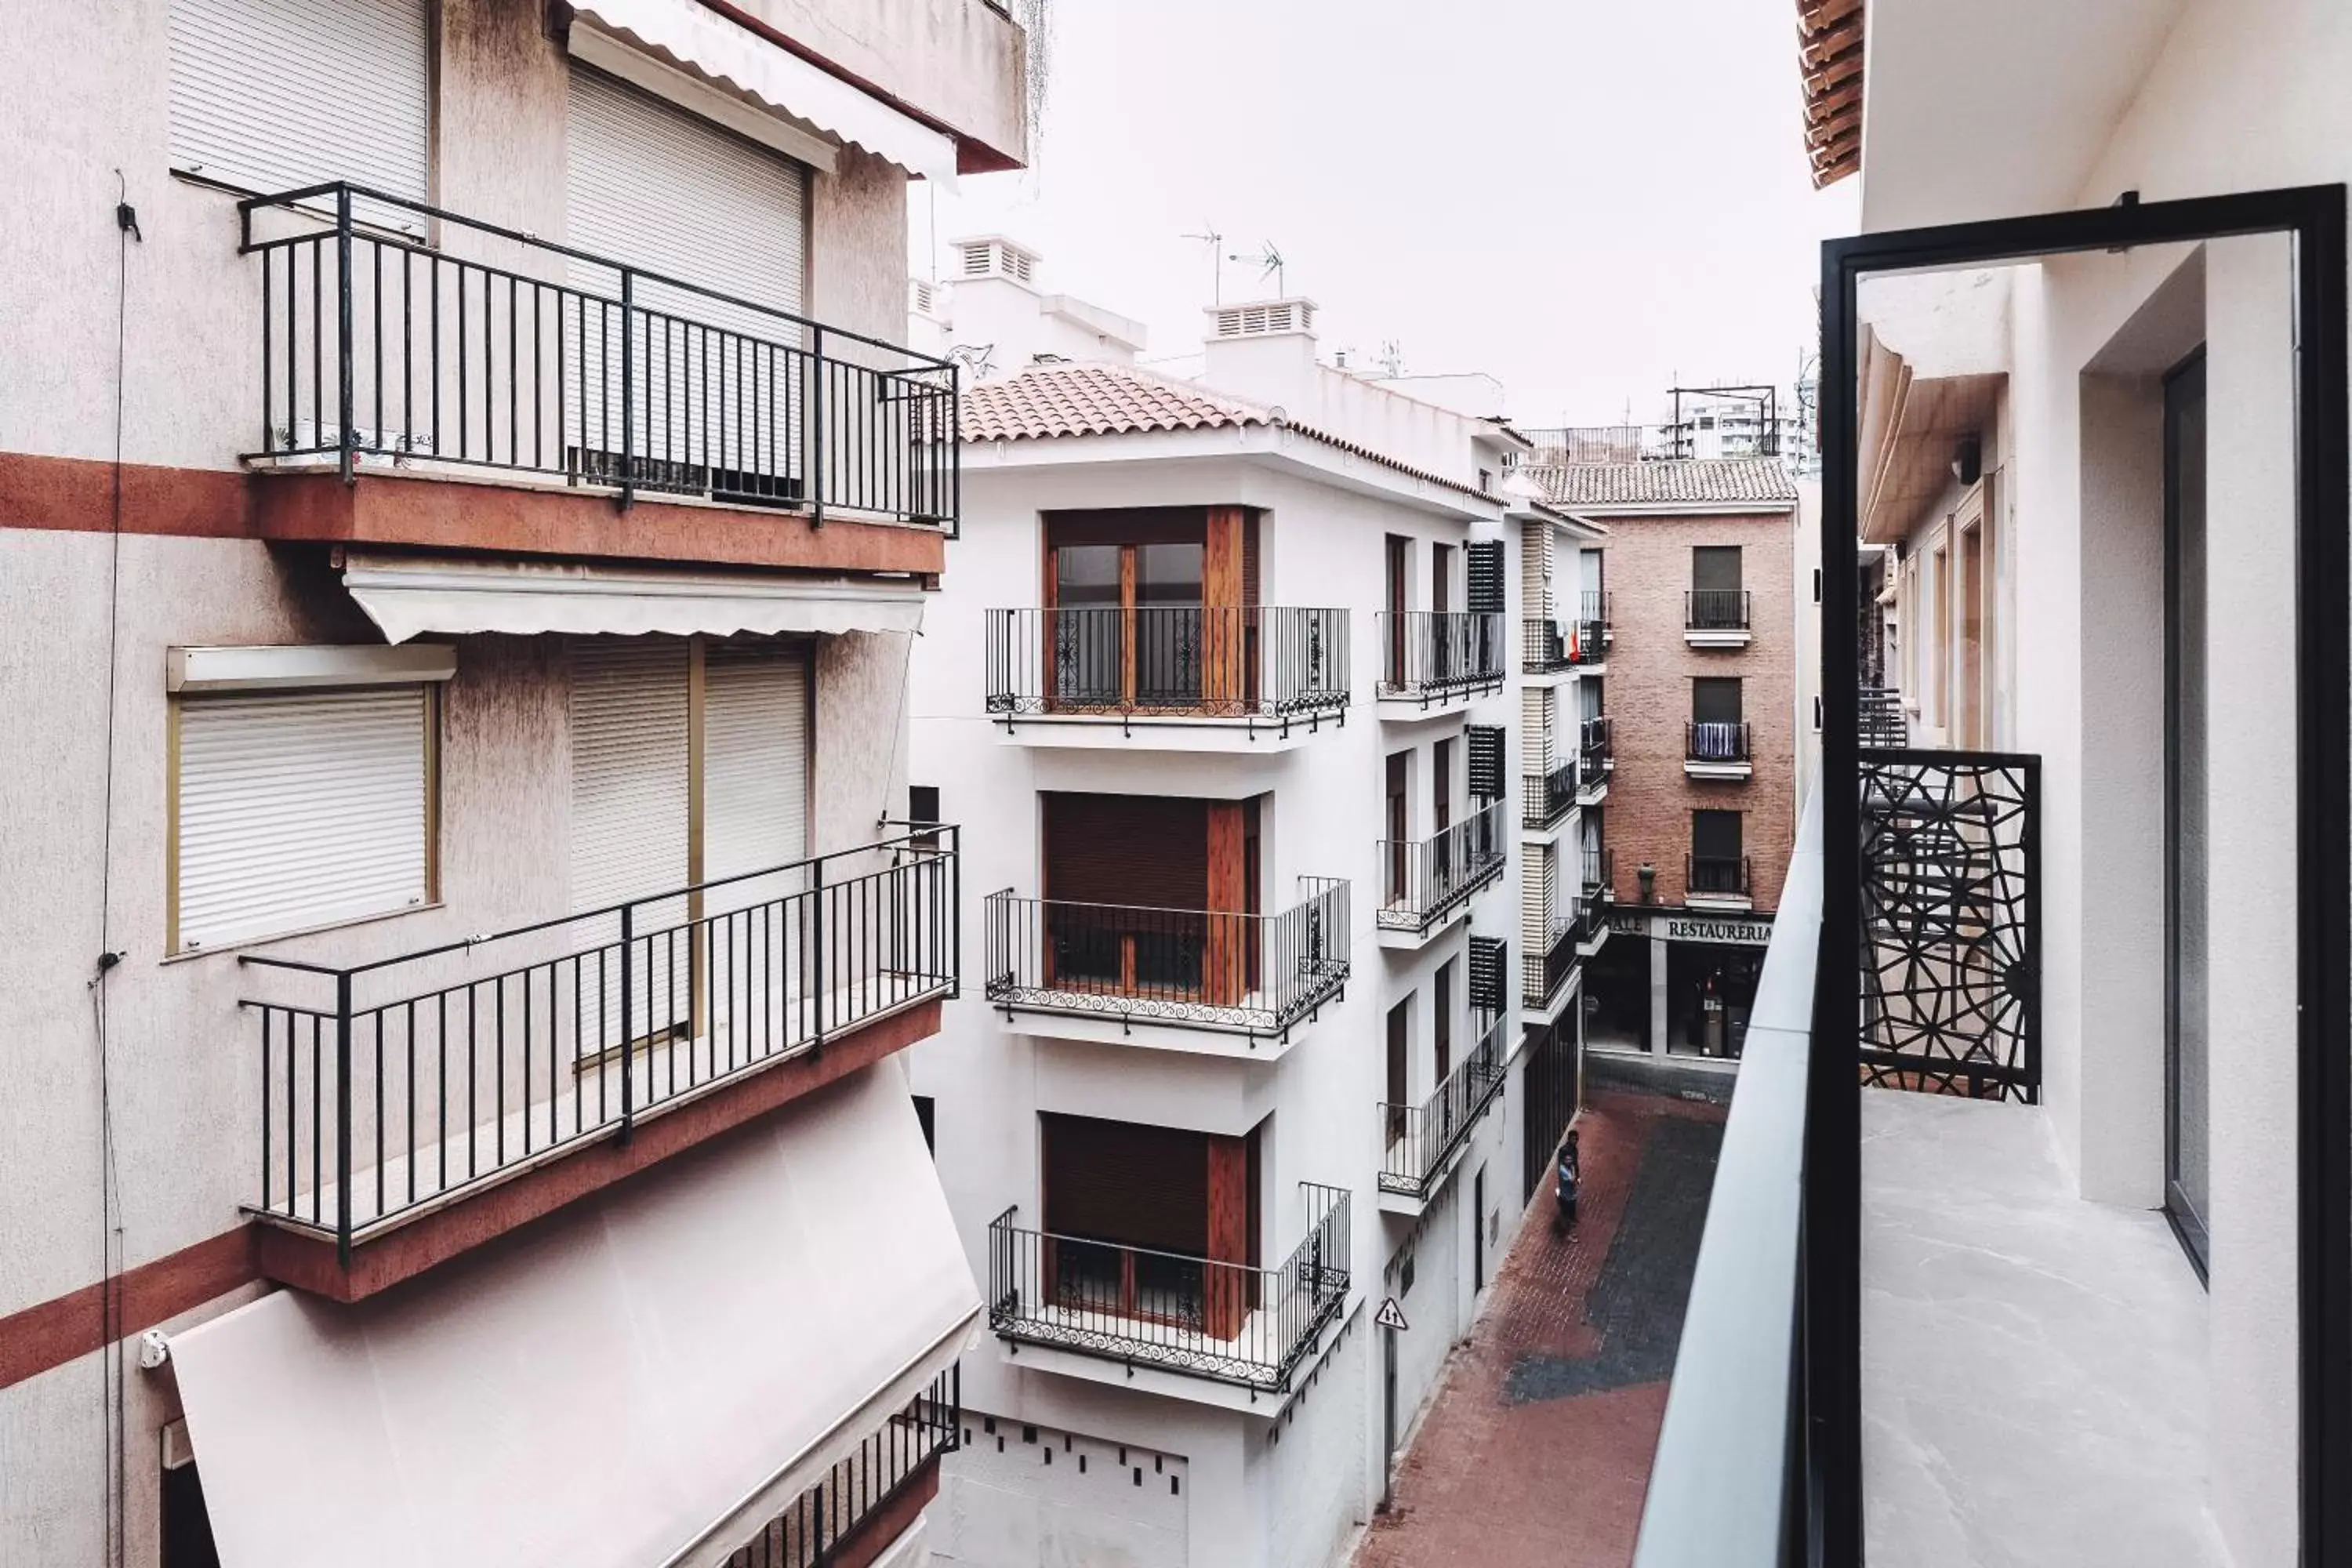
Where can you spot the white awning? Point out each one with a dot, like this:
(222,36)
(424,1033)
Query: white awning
(640,1382)
(706,43)
(410,594)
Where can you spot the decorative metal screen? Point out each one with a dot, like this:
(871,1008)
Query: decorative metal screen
(1951,947)
(1483,559)
(1489,960)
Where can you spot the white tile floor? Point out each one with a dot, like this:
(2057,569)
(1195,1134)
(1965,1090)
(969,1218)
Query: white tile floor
(2034,1365)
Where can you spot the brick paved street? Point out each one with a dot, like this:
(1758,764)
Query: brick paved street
(1537,1450)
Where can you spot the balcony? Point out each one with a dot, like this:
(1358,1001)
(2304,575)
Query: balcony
(1167,673)
(1431,879)
(1545,648)
(582,385)
(1716,751)
(1423,1141)
(1717,617)
(1596,751)
(1226,1323)
(1544,975)
(1599,881)
(1596,620)
(1546,798)
(393,1090)
(1195,980)
(871,1495)
(1431,659)
(1716,881)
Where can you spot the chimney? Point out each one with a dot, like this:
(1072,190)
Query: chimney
(994,256)
(1264,350)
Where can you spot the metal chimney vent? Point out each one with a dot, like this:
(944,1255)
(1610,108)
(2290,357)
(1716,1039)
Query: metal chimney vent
(998,258)
(1257,321)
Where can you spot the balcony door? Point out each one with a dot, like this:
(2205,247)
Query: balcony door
(2186,1090)
(1150,609)
(1717,868)
(1157,1224)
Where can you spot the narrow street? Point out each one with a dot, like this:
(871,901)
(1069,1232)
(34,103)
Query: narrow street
(1536,1449)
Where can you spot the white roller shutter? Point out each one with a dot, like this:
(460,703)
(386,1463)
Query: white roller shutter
(653,185)
(629,798)
(754,757)
(299,810)
(274,95)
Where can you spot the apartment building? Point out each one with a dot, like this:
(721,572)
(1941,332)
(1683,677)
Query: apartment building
(463,519)
(2054,1023)
(1229,665)
(1692,718)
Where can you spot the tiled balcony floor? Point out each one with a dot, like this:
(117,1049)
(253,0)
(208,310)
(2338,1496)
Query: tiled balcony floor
(2034,1365)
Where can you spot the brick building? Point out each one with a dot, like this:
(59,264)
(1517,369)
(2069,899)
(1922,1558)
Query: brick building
(1700,688)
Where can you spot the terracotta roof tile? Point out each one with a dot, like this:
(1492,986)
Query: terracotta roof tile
(1687,482)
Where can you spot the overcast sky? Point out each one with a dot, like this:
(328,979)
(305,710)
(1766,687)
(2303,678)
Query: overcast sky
(1585,198)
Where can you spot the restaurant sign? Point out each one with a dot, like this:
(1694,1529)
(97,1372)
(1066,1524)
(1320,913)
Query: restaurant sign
(1682,927)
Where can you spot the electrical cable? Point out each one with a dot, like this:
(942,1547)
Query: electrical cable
(114,1393)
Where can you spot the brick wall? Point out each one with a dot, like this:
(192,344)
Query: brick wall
(1646,566)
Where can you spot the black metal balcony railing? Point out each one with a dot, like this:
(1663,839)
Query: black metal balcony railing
(1557,444)
(376,344)
(1711,742)
(1593,608)
(862,1483)
(1432,655)
(1253,663)
(1545,648)
(1548,798)
(1253,974)
(1597,737)
(390,1084)
(1716,609)
(1600,875)
(1421,1138)
(1544,974)
(1716,876)
(1429,879)
(1231,1322)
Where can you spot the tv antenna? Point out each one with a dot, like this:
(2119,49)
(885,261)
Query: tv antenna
(978,360)
(1269,261)
(1390,358)
(1215,242)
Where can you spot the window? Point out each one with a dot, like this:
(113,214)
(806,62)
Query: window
(1715,699)
(1441,1021)
(1440,577)
(295,809)
(1715,568)
(187,1530)
(1714,834)
(923,812)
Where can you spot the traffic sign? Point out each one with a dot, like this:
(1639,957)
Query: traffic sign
(1390,1315)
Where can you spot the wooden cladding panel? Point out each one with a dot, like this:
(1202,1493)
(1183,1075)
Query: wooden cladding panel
(1230,1179)
(1223,665)
(1224,962)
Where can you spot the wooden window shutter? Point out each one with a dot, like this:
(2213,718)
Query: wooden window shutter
(1485,760)
(1126,1184)
(1488,956)
(1486,572)
(1151,851)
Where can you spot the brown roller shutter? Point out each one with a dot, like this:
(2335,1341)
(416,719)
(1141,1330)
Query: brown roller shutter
(1126,1184)
(1151,851)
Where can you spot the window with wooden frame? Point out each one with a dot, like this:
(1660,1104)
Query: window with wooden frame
(1153,896)
(1152,609)
(289,807)
(1151,1223)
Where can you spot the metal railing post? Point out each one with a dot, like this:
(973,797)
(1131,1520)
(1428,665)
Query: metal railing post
(955,912)
(816,426)
(628,426)
(816,906)
(349,438)
(628,1014)
(343,1119)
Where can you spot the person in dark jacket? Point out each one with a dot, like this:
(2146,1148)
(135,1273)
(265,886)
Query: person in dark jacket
(1563,1218)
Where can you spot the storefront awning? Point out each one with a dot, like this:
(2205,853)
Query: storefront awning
(643,1380)
(409,595)
(703,42)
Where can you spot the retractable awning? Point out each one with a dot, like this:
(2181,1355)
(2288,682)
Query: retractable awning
(410,594)
(699,40)
(640,1382)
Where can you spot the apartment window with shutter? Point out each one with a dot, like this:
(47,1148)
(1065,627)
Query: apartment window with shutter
(1714,834)
(1715,568)
(1716,699)
(294,809)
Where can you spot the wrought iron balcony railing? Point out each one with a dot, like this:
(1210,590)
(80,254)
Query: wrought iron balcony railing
(394,1083)
(378,345)
(863,1482)
(1596,744)
(1548,797)
(1546,648)
(1544,974)
(1716,876)
(1594,606)
(1255,664)
(1422,1138)
(1230,1322)
(1433,655)
(1429,879)
(1708,742)
(1600,875)
(1253,974)
(1716,609)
